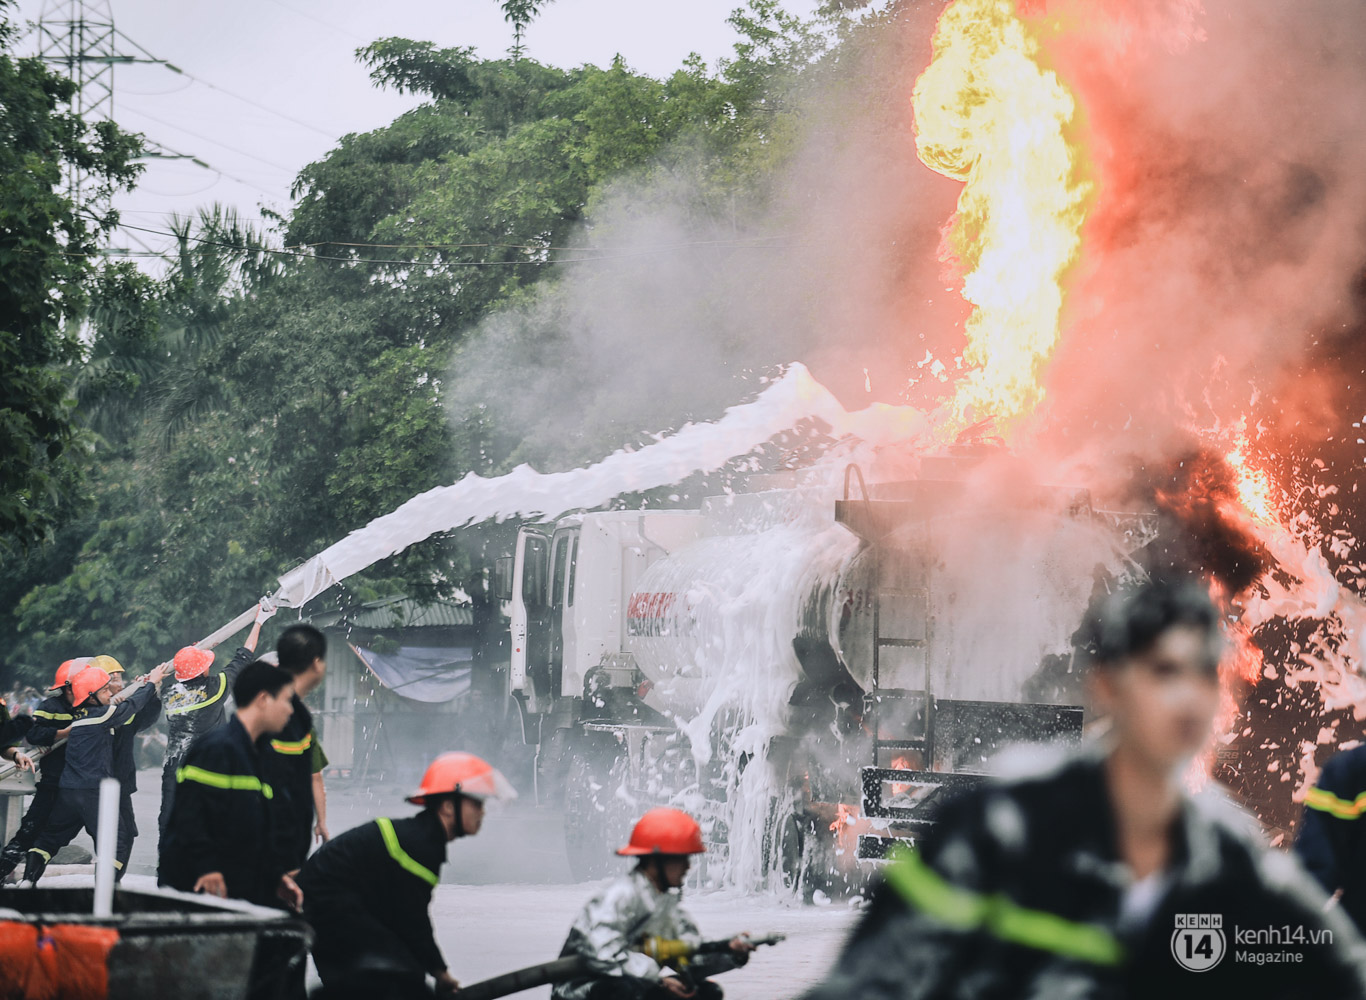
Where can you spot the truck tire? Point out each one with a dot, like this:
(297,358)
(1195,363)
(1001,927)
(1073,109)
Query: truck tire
(593,811)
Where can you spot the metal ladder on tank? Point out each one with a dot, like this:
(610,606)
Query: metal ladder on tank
(911,818)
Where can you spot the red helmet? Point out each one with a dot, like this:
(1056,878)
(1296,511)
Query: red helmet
(665,831)
(463,773)
(192,661)
(68,668)
(86,683)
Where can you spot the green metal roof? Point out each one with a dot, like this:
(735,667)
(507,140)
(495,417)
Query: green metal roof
(400,612)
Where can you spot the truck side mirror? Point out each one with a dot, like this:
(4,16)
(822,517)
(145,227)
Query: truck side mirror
(502,578)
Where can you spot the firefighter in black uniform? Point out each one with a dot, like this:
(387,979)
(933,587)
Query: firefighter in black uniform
(219,838)
(89,760)
(50,722)
(125,755)
(367,891)
(195,703)
(1097,874)
(295,755)
(1331,840)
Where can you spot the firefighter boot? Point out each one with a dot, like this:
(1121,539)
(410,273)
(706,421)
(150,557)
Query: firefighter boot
(35,865)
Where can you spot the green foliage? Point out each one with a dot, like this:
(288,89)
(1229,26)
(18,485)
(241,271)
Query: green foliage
(251,409)
(47,244)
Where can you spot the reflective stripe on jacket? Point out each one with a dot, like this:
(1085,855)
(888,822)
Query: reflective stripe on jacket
(367,893)
(221,819)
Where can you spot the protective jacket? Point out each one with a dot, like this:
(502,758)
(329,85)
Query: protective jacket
(292,759)
(90,747)
(193,708)
(197,706)
(1332,837)
(221,820)
(125,741)
(617,920)
(51,715)
(1019,891)
(367,894)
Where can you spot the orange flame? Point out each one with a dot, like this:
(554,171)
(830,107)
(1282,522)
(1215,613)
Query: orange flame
(901,764)
(844,817)
(1241,666)
(988,113)
(1255,491)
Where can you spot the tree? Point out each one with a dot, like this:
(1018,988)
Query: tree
(520,14)
(255,406)
(47,248)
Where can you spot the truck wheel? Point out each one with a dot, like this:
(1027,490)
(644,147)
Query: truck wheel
(790,855)
(591,809)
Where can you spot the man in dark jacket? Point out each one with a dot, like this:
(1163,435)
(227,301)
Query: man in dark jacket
(367,892)
(125,755)
(195,704)
(295,755)
(89,760)
(51,719)
(1330,842)
(1096,874)
(219,839)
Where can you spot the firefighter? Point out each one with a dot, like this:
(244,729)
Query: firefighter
(50,721)
(367,891)
(89,760)
(218,840)
(295,759)
(125,754)
(1096,873)
(195,703)
(1330,843)
(645,904)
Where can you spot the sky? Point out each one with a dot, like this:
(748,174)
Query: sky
(270,85)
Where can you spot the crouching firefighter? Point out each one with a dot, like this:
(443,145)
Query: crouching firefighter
(635,927)
(367,892)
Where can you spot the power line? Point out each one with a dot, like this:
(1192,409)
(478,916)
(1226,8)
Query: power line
(223,90)
(205,138)
(167,153)
(318,20)
(757,243)
(638,252)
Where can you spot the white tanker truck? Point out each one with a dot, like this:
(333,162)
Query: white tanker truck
(806,672)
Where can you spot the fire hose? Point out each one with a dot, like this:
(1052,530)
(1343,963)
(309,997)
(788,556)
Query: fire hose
(662,950)
(208,642)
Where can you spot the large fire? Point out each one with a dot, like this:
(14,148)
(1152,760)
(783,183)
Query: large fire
(988,113)
(991,113)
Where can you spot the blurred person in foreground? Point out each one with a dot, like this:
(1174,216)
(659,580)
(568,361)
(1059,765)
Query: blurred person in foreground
(219,838)
(642,911)
(367,892)
(1098,874)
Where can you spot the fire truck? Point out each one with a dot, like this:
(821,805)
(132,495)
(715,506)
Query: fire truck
(807,672)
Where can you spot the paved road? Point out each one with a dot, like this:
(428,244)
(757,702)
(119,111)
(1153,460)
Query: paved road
(507,897)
